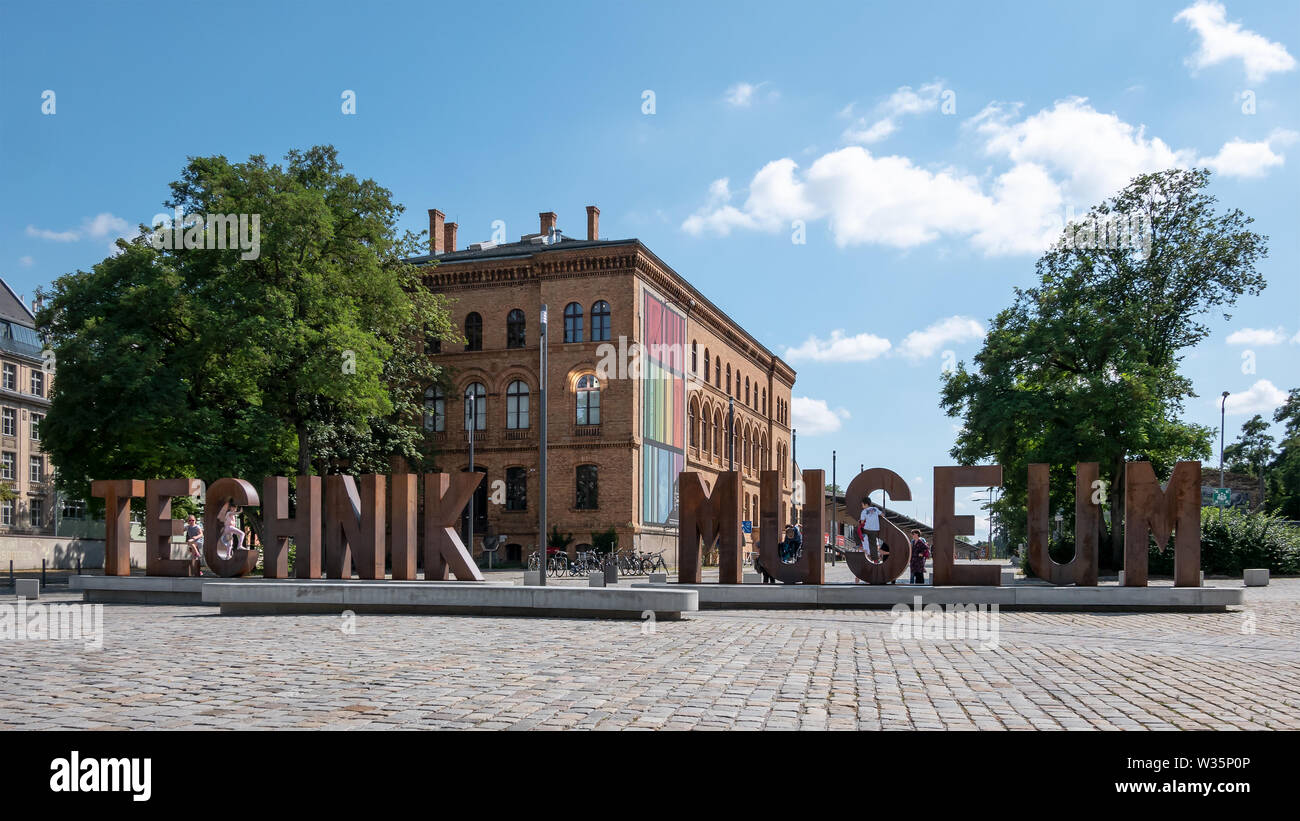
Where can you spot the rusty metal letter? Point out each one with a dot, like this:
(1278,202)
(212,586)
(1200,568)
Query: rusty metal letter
(712,518)
(354,527)
(1150,510)
(810,568)
(404,525)
(224,494)
(304,529)
(947,525)
(445,498)
(900,545)
(1080,570)
(159,527)
(117,495)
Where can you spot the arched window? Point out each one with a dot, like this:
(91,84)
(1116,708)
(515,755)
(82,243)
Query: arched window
(573,322)
(474,332)
(746,390)
(475,406)
(764,402)
(600,322)
(728,380)
(717,440)
(695,433)
(432,344)
(706,365)
(435,409)
(705,415)
(695,360)
(587,488)
(588,390)
(515,327)
(717,372)
(516,488)
(517,405)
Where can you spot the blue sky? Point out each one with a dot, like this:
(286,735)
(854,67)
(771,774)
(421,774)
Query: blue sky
(924,147)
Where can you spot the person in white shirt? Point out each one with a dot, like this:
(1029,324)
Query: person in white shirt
(870,519)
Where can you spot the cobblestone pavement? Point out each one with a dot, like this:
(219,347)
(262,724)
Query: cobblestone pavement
(188,667)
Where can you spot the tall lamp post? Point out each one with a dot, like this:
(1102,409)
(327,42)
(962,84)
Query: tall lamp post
(541,516)
(473,423)
(1223,413)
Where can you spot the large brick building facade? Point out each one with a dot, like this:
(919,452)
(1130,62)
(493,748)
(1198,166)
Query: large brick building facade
(620,427)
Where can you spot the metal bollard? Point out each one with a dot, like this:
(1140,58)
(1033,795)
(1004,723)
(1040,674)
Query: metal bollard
(43,585)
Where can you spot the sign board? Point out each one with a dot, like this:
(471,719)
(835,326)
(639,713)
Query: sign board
(1222,496)
(747,526)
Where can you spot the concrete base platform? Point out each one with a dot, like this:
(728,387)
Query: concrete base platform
(284,597)
(189,589)
(1035,597)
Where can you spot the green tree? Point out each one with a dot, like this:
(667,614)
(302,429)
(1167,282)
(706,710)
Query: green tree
(1284,472)
(198,361)
(1084,365)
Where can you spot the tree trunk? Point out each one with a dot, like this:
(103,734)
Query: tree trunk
(304,451)
(1116,491)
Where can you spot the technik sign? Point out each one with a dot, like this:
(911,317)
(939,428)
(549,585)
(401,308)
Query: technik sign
(349,520)
(341,527)
(1149,510)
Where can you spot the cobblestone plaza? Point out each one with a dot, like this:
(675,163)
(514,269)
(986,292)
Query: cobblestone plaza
(179,667)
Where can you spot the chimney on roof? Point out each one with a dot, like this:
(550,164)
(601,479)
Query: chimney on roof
(548,222)
(436,231)
(449,237)
(593,222)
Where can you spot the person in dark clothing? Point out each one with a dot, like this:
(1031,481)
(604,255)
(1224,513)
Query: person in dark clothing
(790,545)
(920,552)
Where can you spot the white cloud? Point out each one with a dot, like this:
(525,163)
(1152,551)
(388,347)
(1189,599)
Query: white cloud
(1295,340)
(921,344)
(1238,158)
(1262,397)
(96,227)
(1221,41)
(840,348)
(27,262)
(904,101)
(743,95)
(1094,153)
(1069,153)
(813,417)
(1257,336)
(53,236)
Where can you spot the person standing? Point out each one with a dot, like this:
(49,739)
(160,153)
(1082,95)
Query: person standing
(920,552)
(870,519)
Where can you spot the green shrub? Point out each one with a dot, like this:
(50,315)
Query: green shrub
(606,541)
(1233,540)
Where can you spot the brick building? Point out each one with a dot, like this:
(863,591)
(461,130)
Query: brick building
(621,426)
(24,400)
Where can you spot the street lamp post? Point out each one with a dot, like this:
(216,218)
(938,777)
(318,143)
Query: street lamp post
(541,507)
(473,423)
(1223,413)
(731,433)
